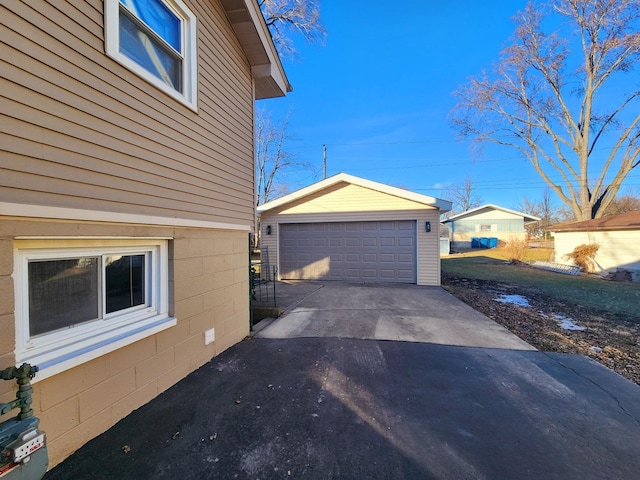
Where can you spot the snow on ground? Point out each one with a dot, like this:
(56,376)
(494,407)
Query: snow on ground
(563,322)
(518,300)
(567,323)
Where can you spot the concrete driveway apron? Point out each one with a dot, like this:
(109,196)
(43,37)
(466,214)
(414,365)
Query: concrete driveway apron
(390,312)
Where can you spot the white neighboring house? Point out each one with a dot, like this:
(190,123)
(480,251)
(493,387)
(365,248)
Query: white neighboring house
(617,236)
(487,221)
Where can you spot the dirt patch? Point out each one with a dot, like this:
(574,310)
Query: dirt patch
(611,339)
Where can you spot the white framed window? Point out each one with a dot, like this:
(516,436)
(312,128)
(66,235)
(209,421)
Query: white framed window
(156,39)
(487,228)
(79,299)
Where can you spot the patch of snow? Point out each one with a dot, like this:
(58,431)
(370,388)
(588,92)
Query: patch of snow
(595,349)
(567,323)
(543,315)
(518,300)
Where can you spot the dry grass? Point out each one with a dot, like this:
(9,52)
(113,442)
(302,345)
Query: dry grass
(515,249)
(606,309)
(583,255)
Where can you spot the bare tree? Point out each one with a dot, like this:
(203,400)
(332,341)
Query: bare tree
(285,18)
(564,109)
(463,196)
(544,208)
(624,203)
(272,158)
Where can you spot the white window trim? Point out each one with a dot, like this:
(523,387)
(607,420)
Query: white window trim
(63,349)
(189,65)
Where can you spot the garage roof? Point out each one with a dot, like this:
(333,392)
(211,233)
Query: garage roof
(489,206)
(622,221)
(443,205)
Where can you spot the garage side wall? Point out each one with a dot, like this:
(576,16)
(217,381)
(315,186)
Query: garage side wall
(352,203)
(617,249)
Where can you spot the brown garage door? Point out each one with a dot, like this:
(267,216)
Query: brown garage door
(354,251)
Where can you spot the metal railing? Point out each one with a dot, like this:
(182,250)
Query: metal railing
(262,284)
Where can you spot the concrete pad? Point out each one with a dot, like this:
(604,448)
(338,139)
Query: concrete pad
(390,312)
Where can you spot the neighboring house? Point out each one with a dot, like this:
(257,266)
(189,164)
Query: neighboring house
(617,237)
(487,221)
(126,197)
(445,240)
(349,228)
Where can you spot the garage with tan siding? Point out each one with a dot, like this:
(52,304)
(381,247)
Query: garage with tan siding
(346,228)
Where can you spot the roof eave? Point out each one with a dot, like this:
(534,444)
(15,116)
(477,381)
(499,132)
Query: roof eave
(247,21)
(442,205)
(532,218)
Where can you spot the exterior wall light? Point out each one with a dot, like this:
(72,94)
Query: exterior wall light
(427,227)
(268,229)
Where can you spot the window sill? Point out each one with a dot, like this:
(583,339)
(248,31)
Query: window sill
(53,362)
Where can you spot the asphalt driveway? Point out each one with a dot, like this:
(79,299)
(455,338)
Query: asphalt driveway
(343,386)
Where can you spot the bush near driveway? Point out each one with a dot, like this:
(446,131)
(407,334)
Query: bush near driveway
(608,310)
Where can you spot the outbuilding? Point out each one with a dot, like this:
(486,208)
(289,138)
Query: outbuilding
(617,238)
(351,229)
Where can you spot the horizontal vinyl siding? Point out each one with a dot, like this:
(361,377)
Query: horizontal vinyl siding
(78,130)
(343,198)
(617,249)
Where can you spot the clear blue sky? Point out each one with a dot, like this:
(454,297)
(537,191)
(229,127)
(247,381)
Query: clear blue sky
(379,93)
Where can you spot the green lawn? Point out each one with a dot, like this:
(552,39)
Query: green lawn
(616,297)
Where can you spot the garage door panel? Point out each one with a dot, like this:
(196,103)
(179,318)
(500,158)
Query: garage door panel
(387,258)
(406,274)
(355,251)
(370,273)
(388,241)
(405,242)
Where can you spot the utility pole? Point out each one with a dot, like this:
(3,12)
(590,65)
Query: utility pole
(324,162)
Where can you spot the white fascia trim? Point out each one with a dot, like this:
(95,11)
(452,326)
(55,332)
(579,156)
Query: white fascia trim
(262,30)
(443,205)
(61,213)
(494,207)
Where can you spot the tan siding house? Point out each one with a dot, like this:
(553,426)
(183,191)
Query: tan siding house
(126,198)
(617,237)
(349,228)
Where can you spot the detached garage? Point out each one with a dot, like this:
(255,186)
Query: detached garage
(352,229)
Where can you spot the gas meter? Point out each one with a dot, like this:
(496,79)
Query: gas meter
(23,449)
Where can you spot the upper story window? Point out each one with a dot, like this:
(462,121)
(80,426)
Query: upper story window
(156,39)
